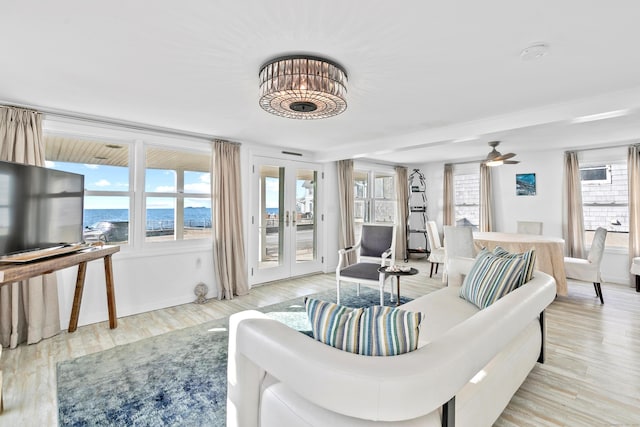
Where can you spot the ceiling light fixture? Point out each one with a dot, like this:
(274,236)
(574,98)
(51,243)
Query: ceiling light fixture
(600,116)
(303,87)
(535,51)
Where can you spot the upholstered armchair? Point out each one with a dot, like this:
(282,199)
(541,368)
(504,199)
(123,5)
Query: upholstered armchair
(376,248)
(588,270)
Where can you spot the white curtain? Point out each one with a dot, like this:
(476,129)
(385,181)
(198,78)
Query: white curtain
(228,236)
(345,197)
(633,168)
(402,190)
(28,310)
(486,199)
(449,211)
(573,221)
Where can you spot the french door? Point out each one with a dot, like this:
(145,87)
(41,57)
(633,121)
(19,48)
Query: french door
(285,226)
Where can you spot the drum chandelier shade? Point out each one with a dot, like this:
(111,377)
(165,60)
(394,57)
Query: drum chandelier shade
(303,87)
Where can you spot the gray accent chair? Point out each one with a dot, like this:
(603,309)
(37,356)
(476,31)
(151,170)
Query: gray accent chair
(588,270)
(376,248)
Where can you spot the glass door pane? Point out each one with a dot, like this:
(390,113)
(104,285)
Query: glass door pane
(271,218)
(305,215)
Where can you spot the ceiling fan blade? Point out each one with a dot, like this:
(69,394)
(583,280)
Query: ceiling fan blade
(507,156)
(511,162)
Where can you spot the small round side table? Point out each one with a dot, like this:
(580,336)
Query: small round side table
(411,272)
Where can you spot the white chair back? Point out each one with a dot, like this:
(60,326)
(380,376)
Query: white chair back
(529,227)
(597,246)
(433,236)
(458,242)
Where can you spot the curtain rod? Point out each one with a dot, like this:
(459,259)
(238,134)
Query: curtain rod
(63,114)
(604,148)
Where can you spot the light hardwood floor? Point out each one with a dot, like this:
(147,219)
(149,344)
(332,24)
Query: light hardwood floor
(591,376)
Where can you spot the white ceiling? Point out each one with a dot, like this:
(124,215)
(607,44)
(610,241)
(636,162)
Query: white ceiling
(422,74)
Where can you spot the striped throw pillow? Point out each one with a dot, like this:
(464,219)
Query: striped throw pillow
(529,262)
(333,324)
(387,331)
(491,277)
(372,331)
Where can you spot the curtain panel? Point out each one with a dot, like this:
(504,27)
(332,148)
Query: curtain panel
(633,168)
(573,221)
(402,190)
(29,309)
(228,235)
(345,196)
(486,199)
(449,211)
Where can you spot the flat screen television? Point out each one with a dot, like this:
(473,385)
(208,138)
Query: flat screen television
(39,208)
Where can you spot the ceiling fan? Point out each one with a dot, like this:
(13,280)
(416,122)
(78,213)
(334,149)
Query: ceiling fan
(495,158)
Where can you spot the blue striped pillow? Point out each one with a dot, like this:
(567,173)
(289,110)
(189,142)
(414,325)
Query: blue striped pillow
(529,262)
(333,324)
(491,277)
(387,331)
(372,331)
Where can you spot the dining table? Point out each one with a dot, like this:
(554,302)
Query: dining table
(549,251)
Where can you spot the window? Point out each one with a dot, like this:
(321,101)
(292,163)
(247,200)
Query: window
(177,194)
(466,184)
(605,195)
(108,194)
(374,198)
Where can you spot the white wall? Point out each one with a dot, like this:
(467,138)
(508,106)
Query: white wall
(545,206)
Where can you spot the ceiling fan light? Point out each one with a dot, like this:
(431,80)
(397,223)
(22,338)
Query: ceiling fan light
(493,163)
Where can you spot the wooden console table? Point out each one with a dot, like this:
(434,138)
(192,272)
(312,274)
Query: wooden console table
(10,273)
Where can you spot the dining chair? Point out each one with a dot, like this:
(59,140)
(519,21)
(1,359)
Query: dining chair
(436,251)
(376,248)
(529,227)
(588,270)
(458,243)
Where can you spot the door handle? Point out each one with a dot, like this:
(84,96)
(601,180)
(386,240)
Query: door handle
(286,218)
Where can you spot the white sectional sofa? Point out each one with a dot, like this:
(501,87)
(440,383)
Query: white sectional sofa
(468,365)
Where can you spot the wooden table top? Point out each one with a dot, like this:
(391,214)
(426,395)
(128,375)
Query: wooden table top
(10,273)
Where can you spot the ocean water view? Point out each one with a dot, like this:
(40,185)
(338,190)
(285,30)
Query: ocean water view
(156,218)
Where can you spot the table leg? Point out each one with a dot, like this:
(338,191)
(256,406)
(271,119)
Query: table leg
(77,297)
(111,296)
(398,283)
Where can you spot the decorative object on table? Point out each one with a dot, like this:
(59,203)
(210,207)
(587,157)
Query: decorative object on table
(417,214)
(525,184)
(177,378)
(496,158)
(201,293)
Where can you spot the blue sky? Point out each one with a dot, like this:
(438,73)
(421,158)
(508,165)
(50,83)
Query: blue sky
(116,178)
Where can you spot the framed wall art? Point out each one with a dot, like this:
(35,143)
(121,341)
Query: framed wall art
(525,184)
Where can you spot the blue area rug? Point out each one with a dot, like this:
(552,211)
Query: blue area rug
(175,379)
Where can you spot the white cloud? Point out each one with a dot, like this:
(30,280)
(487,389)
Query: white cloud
(102,183)
(88,166)
(50,164)
(165,189)
(206,178)
(198,187)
